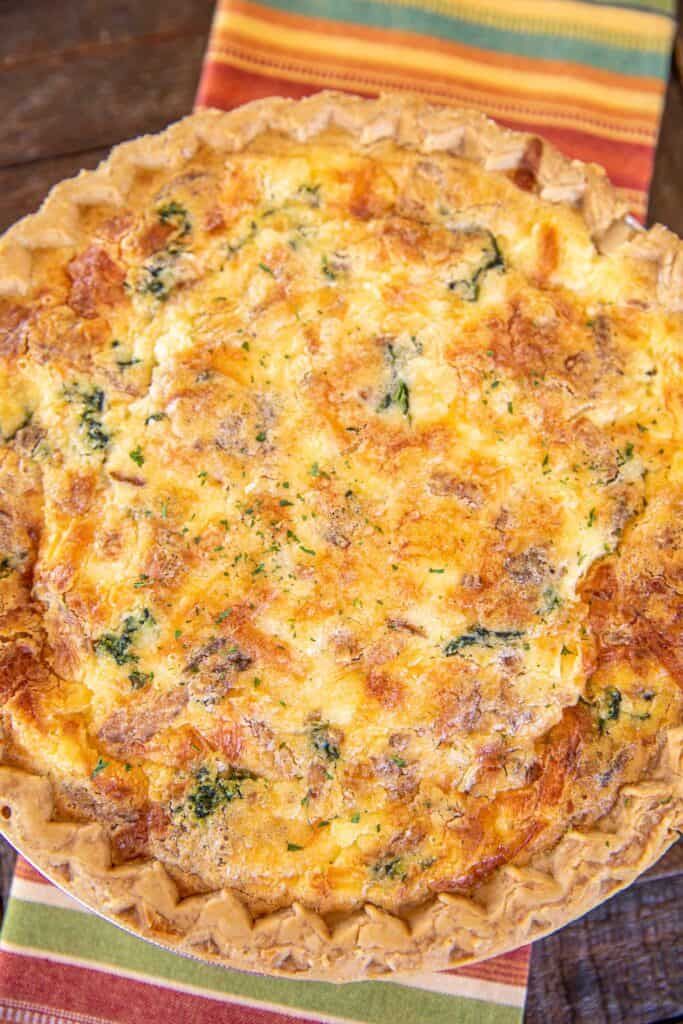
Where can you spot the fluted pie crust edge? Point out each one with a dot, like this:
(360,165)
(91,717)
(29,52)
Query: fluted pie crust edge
(517,904)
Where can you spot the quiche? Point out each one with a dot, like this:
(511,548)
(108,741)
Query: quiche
(341,510)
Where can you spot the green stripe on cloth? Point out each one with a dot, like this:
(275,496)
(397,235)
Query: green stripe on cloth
(72,933)
(643,57)
(666,7)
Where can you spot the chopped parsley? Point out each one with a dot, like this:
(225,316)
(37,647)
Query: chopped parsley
(137,456)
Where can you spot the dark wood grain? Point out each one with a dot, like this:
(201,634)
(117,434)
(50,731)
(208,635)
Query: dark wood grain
(88,74)
(81,76)
(666,196)
(669,865)
(7,859)
(620,963)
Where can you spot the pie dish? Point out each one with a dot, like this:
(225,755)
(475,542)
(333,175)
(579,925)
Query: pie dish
(341,501)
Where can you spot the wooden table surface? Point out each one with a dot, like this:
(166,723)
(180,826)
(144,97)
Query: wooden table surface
(82,75)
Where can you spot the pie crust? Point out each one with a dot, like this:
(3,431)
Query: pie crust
(515,904)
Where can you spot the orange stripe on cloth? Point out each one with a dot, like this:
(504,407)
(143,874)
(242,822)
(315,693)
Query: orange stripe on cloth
(500,99)
(416,41)
(508,969)
(23,869)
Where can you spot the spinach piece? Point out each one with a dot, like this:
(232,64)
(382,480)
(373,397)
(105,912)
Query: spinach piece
(157,276)
(93,401)
(234,247)
(137,456)
(551,601)
(399,392)
(118,645)
(391,867)
(213,791)
(327,269)
(482,637)
(177,216)
(609,708)
(28,416)
(99,767)
(398,395)
(324,743)
(310,194)
(139,679)
(468,288)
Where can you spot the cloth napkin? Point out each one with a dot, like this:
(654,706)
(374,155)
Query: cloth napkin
(61,964)
(589,76)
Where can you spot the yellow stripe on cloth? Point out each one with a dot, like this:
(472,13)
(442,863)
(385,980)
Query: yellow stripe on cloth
(260,60)
(614,25)
(386,54)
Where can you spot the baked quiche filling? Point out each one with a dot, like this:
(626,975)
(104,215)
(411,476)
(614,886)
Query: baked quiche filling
(341,518)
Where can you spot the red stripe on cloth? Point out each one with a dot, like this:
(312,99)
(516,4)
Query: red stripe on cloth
(70,989)
(23,869)
(509,968)
(226,87)
(20,1011)
(628,165)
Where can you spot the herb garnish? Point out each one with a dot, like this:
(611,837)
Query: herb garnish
(99,767)
(137,456)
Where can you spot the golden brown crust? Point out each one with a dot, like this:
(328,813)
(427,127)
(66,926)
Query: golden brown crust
(511,904)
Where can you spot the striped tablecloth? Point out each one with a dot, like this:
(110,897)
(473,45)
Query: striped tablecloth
(590,76)
(60,964)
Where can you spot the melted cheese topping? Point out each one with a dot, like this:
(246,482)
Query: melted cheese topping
(342,498)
